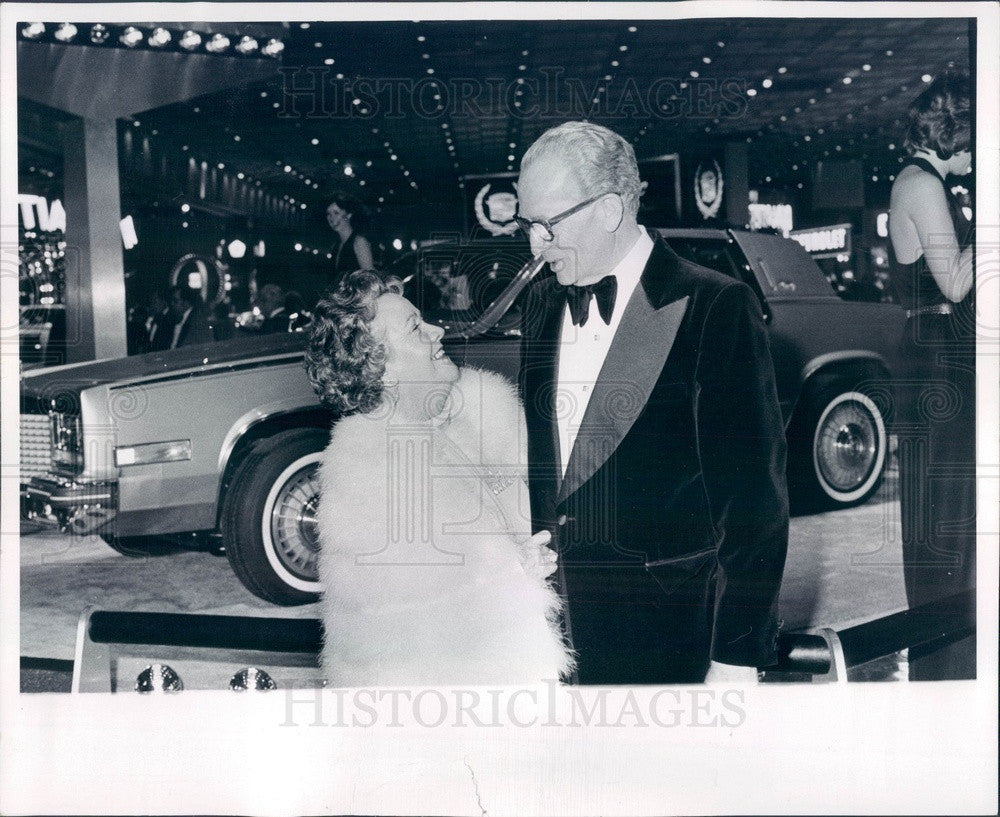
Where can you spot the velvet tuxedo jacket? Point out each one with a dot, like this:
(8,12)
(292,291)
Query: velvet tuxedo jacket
(672,519)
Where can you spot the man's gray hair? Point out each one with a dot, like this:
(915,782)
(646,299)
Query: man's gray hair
(601,160)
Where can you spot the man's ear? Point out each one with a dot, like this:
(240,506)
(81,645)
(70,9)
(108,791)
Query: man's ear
(612,212)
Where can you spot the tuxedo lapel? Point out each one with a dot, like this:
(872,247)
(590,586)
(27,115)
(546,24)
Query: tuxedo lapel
(637,355)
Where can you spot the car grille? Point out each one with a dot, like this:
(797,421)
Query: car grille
(36,447)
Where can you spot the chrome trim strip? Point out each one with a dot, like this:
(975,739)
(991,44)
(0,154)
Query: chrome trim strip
(208,369)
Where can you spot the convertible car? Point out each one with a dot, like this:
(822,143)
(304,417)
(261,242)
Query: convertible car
(216,446)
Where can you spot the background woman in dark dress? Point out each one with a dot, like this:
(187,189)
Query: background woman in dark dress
(346,217)
(932,272)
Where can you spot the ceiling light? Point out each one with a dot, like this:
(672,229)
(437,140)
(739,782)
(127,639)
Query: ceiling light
(65,32)
(288,168)
(130,37)
(185,208)
(218,43)
(317,45)
(927,78)
(190,40)
(33,31)
(706,60)
(751,92)
(348,170)
(846,80)
(782,70)
(272,48)
(314,141)
(246,46)
(328,61)
(221,166)
(303,26)
(888,53)
(98,34)
(159,38)
(694,75)
(866,67)
(767,83)
(421,38)
(623,48)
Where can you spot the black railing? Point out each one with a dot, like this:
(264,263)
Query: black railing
(939,622)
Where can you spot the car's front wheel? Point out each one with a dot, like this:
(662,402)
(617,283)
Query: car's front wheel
(269,517)
(841,453)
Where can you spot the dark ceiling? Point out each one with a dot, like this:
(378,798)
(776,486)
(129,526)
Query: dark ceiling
(798,90)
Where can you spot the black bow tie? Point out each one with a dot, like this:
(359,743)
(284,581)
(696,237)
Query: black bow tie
(578,299)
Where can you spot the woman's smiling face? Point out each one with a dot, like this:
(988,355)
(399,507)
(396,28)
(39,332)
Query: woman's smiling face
(337,215)
(414,353)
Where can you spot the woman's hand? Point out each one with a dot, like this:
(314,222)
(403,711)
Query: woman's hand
(537,558)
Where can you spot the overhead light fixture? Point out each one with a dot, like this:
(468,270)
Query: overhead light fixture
(272,48)
(159,38)
(237,249)
(99,34)
(130,37)
(246,46)
(65,32)
(33,31)
(190,40)
(218,44)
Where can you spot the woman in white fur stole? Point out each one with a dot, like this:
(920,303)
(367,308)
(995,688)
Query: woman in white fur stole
(430,573)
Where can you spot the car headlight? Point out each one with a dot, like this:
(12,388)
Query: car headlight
(66,441)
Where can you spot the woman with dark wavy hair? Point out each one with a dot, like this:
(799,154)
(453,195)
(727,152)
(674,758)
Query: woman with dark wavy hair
(348,218)
(430,572)
(932,273)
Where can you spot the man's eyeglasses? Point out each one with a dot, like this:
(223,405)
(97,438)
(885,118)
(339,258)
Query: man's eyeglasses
(542,229)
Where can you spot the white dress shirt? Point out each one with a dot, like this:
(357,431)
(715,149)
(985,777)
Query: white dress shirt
(582,349)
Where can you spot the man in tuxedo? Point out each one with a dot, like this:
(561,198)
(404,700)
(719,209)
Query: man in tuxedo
(271,300)
(193,323)
(655,441)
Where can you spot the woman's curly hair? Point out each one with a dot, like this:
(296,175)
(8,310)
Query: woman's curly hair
(939,117)
(345,362)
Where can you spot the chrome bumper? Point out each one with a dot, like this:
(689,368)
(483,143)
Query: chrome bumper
(74,507)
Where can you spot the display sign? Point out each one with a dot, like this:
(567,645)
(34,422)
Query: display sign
(37,212)
(775,216)
(825,242)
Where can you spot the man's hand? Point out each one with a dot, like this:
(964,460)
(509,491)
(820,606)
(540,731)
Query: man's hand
(730,674)
(536,558)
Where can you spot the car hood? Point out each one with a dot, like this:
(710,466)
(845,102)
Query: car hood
(40,387)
